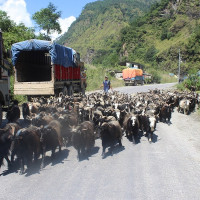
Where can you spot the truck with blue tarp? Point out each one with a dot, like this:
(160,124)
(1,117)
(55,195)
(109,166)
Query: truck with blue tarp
(46,68)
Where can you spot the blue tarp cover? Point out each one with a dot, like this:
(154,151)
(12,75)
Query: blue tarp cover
(60,55)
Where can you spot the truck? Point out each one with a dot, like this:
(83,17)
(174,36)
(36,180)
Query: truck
(4,78)
(133,76)
(44,68)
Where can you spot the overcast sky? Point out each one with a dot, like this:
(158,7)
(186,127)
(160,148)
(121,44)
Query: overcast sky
(22,10)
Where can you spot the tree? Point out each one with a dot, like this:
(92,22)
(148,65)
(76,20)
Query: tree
(43,36)
(12,32)
(150,55)
(5,22)
(47,19)
(17,33)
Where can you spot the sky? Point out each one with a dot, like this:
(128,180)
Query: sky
(22,11)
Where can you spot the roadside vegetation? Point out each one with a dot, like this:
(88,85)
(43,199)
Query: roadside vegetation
(96,75)
(192,83)
(158,76)
(20,98)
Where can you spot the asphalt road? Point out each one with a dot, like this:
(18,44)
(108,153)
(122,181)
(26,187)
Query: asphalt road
(144,88)
(168,168)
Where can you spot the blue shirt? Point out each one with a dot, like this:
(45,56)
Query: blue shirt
(106,85)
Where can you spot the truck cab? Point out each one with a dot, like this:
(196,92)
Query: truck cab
(4,78)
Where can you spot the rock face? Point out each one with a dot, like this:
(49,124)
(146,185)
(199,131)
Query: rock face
(89,56)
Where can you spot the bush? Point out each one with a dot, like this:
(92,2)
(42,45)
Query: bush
(150,55)
(155,76)
(96,75)
(164,34)
(180,86)
(192,82)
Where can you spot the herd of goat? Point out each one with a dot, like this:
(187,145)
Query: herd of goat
(54,122)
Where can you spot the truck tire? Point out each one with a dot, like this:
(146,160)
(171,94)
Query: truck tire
(83,89)
(70,90)
(126,84)
(65,91)
(1,114)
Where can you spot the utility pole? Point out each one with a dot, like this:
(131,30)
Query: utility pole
(179,66)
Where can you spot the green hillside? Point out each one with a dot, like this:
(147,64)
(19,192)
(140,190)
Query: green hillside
(154,40)
(95,34)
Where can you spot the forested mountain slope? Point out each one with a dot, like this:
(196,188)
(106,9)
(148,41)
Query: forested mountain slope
(95,34)
(155,40)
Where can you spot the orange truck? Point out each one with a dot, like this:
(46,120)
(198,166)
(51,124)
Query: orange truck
(133,76)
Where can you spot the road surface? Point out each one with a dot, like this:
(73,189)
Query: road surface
(168,168)
(144,88)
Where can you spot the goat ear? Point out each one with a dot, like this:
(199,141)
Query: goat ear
(12,130)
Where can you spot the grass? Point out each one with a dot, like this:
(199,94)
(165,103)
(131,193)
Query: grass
(95,78)
(165,78)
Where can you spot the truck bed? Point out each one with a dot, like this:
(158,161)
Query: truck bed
(34,88)
(33,66)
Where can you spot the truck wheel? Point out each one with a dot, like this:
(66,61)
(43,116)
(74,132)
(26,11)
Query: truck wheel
(83,89)
(126,84)
(1,114)
(65,91)
(70,90)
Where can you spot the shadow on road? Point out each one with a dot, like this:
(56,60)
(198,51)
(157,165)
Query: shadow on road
(117,149)
(12,169)
(35,167)
(136,138)
(59,158)
(94,151)
(154,138)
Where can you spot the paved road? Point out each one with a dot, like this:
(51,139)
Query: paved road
(168,168)
(144,88)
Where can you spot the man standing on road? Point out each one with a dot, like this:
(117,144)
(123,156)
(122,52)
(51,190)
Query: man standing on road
(106,85)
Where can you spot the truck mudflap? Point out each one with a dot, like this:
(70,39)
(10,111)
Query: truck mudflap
(34,88)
